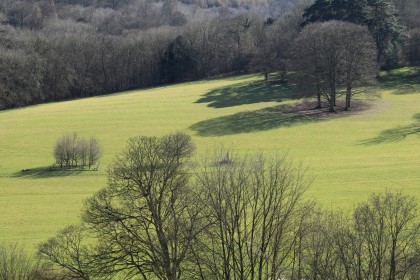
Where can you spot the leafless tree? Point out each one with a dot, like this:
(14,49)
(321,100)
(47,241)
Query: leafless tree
(334,54)
(380,242)
(147,217)
(69,251)
(414,47)
(252,204)
(17,264)
(358,59)
(388,224)
(94,152)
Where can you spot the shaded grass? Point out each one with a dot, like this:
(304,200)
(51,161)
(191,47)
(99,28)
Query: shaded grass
(48,172)
(249,93)
(286,115)
(395,134)
(401,81)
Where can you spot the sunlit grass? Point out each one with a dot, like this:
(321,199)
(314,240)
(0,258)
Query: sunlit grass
(349,156)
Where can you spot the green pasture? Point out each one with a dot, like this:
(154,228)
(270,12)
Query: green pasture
(350,155)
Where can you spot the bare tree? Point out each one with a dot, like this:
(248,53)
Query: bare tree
(69,251)
(83,151)
(70,151)
(388,224)
(334,54)
(17,264)
(380,242)
(308,61)
(94,152)
(358,59)
(251,204)
(414,47)
(63,150)
(147,217)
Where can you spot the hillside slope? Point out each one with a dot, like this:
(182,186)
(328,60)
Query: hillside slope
(349,155)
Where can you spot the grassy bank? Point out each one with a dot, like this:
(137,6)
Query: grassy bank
(350,155)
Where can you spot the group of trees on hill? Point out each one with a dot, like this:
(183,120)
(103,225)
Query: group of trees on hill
(53,50)
(229,217)
(72,151)
(335,54)
(379,16)
(60,64)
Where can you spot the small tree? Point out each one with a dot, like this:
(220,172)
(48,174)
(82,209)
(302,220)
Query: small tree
(64,150)
(252,205)
(389,225)
(68,250)
(83,151)
(94,152)
(17,264)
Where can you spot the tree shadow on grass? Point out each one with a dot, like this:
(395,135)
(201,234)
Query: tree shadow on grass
(402,81)
(270,118)
(395,134)
(46,172)
(249,93)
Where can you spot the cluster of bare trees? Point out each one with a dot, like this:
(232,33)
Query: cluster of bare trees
(67,61)
(380,240)
(71,57)
(163,216)
(333,55)
(72,151)
(55,50)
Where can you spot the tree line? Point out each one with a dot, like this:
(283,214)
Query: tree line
(164,216)
(84,49)
(57,65)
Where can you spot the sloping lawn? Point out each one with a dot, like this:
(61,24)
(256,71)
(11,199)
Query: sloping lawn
(350,155)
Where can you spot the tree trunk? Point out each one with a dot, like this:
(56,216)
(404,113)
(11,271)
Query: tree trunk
(348,98)
(392,272)
(318,96)
(331,103)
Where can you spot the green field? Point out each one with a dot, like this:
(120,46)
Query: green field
(350,155)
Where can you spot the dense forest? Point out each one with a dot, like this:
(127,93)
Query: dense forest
(53,50)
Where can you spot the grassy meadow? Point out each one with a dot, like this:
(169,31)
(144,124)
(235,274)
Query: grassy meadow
(350,155)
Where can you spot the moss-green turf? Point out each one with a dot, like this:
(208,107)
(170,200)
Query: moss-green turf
(349,156)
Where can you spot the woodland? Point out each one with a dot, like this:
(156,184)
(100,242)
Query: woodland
(55,50)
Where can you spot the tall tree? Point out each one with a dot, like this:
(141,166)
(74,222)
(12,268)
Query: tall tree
(358,58)
(335,54)
(388,224)
(146,219)
(380,16)
(414,47)
(252,204)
